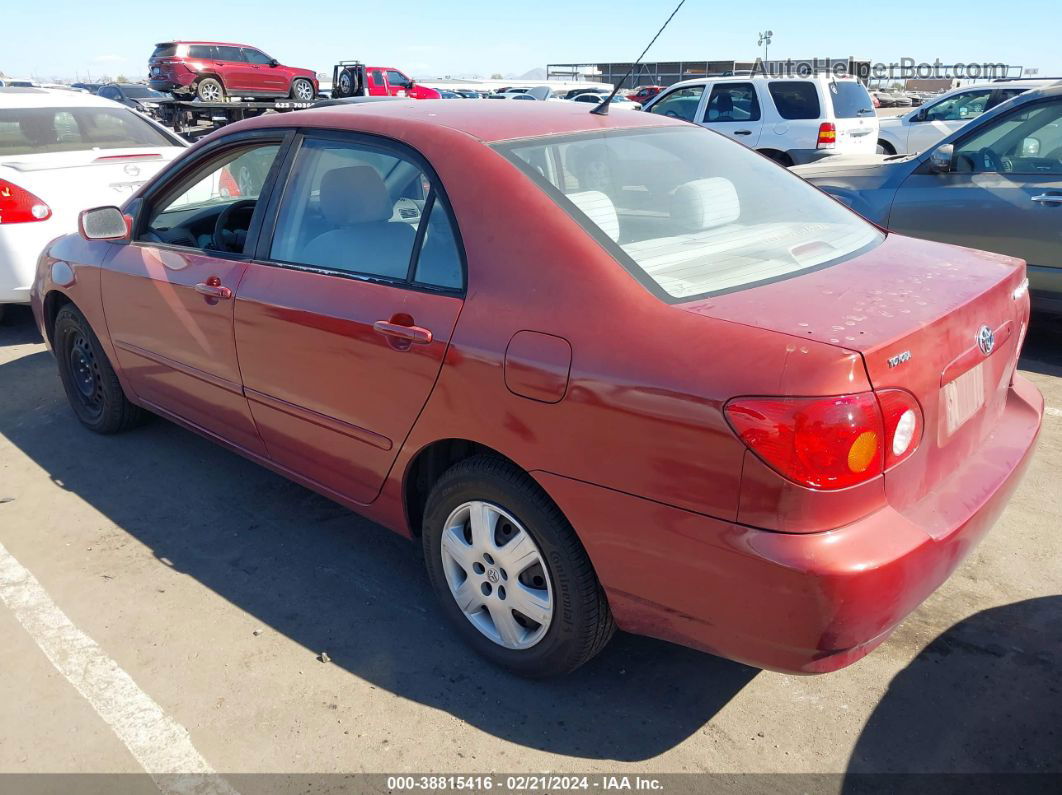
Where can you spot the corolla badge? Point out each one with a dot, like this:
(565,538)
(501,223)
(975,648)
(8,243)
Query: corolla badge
(986,340)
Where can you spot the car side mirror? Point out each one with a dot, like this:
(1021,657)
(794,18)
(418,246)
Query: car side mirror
(274,62)
(104,223)
(940,159)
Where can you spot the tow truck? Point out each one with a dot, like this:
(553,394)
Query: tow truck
(355,79)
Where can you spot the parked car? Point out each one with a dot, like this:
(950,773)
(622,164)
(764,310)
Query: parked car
(213,71)
(17,82)
(618,101)
(468,93)
(937,118)
(790,120)
(644,94)
(900,99)
(91,88)
(884,99)
(353,78)
(134,95)
(994,184)
(567,474)
(61,152)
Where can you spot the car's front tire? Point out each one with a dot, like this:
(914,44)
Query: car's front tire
(90,382)
(509,571)
(301,90)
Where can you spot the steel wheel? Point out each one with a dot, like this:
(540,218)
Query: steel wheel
(303,90)
(497,575)
(85,376)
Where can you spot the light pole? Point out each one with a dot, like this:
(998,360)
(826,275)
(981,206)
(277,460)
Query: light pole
(765,41)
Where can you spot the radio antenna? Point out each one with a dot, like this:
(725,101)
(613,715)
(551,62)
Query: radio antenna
(601,109)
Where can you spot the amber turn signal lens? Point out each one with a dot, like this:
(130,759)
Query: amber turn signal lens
(863,451)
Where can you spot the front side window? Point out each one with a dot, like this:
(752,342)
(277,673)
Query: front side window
(212,209)
(397,79)
(1025,141)
(257,57)
(29,131)
(795,99)
(679,104)
(689,213)
(732,102)
(960,107)
(363,210)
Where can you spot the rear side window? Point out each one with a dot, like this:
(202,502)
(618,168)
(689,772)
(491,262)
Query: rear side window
(31,131)
(850,100)
(229,54)
(365,211)
(164,51)
(203,51)
(795,99)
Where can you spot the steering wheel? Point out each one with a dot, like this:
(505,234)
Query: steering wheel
(225,239)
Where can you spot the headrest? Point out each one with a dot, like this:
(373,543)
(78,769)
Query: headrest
(598,208)
(705,204)
(354,195)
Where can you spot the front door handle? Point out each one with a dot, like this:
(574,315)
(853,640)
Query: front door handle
(416,334)
(742,132)
(1048,198)
(212,288)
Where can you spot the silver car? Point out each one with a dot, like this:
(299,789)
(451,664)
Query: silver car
(995,184)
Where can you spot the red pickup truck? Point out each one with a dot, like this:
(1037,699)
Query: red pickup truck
(354,79)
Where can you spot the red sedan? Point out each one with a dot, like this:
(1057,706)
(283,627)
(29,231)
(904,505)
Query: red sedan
(612,371)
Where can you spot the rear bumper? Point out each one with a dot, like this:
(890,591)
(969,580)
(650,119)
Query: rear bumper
(20,247)
(798,603)
(166,85)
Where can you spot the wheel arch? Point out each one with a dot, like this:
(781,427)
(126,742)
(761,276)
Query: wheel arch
(428,465)
(53,302)
(777,155)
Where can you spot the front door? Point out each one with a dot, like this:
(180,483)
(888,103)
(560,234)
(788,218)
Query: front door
(734,110)
(343,319)
(267,78)
(237,74)
(168,295)
(1003,194)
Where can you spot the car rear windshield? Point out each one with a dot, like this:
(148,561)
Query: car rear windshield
(164,51)
(850,100)
(688,212)
(795,99)
(33,131)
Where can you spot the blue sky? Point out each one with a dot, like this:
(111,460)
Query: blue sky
(426,38)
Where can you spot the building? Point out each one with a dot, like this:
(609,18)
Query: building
(665,73)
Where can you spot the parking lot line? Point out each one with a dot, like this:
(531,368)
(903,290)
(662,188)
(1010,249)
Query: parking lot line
(1052,411)
(160,744)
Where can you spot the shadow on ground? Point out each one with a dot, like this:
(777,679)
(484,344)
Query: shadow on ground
(984,697)
(1042,352)
(332,581)
(17,327)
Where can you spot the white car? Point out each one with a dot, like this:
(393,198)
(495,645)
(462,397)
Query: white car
(595,98)
(62,152)
(792,120)
(938,118)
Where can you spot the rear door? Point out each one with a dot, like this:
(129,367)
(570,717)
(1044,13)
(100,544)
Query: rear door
(169,293)
(733,109)
(343,318)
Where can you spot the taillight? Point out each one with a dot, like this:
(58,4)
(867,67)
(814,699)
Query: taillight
(823,443)
(902,417)
(827,135)
(18,205)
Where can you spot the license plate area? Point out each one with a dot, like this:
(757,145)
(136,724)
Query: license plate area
(962,398)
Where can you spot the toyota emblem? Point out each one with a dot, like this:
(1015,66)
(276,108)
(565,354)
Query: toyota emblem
(986,340)
(131,170)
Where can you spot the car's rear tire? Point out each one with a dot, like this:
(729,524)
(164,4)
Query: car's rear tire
(93,389)
(210,89)
(494,540)
(778,157)
(301,90)
(885,148)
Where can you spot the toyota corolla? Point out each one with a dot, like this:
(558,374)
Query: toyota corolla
(612,371)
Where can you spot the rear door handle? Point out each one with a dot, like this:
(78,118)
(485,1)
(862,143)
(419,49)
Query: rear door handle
(417,334)
(213,288)
(1048,198)
(742,132)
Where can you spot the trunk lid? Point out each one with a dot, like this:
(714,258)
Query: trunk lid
(914,311)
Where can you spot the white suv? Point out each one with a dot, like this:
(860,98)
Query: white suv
(792,120)
(938,118)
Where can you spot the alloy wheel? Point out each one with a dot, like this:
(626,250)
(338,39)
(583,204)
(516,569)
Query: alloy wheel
(303,90)
(497,575)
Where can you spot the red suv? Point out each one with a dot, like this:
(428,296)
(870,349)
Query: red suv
(210,71)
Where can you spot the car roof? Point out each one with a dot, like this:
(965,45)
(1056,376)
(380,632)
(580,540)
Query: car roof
(486,121)
(816,78)
(200,41)
(51,98)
